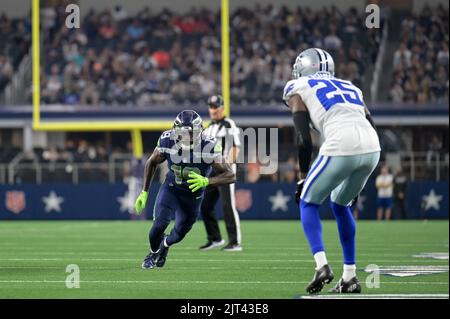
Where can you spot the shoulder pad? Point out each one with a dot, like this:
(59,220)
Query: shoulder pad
(165,140)
(289,90)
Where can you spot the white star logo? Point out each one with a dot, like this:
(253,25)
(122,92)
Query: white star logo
(52,202)
(279,201)
(432,200)
(126,203)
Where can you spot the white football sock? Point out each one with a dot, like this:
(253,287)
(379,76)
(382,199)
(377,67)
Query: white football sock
(321,259)
(349,272)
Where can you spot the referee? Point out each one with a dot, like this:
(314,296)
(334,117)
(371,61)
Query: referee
(226,133)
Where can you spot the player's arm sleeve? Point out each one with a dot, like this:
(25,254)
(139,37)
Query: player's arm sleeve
(304,141)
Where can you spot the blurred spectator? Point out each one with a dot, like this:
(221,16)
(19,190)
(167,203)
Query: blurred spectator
(6,71)
(421,61)
(170,58)
(253,174)
(402,56)
(384,185)
(15,39)
(400,191)
(434,149)
(288,170)
(119,13)
(332,42)
(135,30)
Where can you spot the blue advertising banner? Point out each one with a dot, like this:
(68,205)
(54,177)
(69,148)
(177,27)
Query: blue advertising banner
(263,200)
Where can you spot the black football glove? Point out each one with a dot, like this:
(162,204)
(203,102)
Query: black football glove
(298,192)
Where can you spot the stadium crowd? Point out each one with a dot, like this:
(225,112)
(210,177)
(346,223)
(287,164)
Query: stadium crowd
(421,62)
(162,57)
(15,35)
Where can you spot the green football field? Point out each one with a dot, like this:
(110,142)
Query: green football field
(275,262)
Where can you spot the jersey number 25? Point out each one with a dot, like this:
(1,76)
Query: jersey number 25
(335,91)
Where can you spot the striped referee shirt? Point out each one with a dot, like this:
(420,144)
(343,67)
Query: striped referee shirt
(226,132)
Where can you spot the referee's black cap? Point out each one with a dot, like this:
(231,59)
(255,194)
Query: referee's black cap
(215,101)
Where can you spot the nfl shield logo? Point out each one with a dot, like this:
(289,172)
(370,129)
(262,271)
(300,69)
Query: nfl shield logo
(243,199)
(15,201)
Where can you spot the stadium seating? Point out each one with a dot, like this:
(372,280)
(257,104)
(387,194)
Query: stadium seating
(166,58)
(422,58)
(15,35)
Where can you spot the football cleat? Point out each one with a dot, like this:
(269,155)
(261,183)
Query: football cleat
(232,247)
(150,261)
(322,276)
(347,287)
(162,254)
(212,244)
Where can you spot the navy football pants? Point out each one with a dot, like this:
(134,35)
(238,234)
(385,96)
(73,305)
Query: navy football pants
(170,201)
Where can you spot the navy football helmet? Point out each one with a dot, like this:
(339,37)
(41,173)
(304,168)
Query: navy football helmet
(188,127)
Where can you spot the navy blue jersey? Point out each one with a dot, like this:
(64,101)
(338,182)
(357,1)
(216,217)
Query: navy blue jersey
(182,161)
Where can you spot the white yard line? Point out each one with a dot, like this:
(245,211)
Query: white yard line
(206,282)
(230,259)
(378,296)
(71,241)
(33,252)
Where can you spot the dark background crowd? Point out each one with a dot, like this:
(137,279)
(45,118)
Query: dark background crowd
(167,58)
(421,61)
(163,57)
(15,37)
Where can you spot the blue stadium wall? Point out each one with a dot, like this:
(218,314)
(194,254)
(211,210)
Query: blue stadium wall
(255,201)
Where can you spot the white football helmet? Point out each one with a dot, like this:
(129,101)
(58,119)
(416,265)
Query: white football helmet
(312,61)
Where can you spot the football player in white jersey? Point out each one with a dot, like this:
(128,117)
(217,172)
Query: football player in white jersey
(348,155)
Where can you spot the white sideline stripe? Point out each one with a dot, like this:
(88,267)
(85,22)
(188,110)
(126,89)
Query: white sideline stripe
(198,282)
(127,253)
(277,246)
(218,260)
(179,268)
(379,296)
(175,269)
(297,249)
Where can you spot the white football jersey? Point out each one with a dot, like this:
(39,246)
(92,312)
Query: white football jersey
(336,109)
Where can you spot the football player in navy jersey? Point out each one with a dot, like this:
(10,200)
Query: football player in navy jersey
(191,156)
